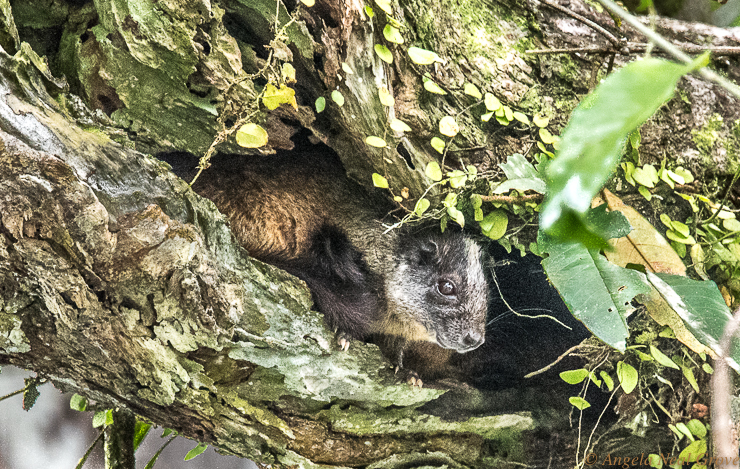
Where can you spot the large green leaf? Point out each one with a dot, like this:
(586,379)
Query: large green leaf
(520,175)
(597,292)
(701,306)
(591,143)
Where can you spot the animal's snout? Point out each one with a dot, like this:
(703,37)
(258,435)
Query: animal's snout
(470,341)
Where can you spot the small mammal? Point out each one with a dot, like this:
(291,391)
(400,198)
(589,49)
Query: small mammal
(300,212)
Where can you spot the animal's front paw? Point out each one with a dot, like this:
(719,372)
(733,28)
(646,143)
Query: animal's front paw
(411,377)
(343,340)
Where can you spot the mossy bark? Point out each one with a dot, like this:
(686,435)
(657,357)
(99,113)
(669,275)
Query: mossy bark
(119,283)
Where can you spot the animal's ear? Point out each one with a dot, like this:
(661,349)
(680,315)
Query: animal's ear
(424,252)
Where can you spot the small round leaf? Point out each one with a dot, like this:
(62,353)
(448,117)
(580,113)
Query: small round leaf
(627,375)
(423,56)
(432,87)
(472,90)
(392,34)
(384,53)
(251,135)
(399,125)
(421,206)
(380,181)
(320,104)
(448,126)
(375,142)
(337,97)
(433,171)
(438,144)
(385,97)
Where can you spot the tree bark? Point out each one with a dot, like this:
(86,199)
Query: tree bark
(119,283)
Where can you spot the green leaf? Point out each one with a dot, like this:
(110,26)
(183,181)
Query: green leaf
(546,136)
(494,224)
(607,380)
(337,97)
(385,97)
(655,461)
(438,144)
(385,5)
(196,451)
(423,56)
(697,428)
(701,307)
(78,403)
(456,215)
(433,171)
(251,136)
(685,174)
(384,53)
(486,117)
(457,178)
(579,403)
(102,417)
(541,121)
(627,376)
(681,427)
(694,452)
(574,376)
(688,373)
(376,142)
(591,144)
(320,104)
(662,358)
(521,117)
(647,175)
(369,11)
(432,87)
(347,69)
(597,292)
(645,193)
(421,206)
(380,181)
(399,125)
(141,430)
(392,34)
(274,97)
(448,126)
(492,103)
(521,176)
(472,90)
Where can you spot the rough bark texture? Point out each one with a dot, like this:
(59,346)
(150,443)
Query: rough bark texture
(119,283)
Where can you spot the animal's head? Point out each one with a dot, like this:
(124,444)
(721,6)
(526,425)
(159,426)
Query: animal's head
(438,281)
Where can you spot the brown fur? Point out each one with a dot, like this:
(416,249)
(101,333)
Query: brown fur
(300,212)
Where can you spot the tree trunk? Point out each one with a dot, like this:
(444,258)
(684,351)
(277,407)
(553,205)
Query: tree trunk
(119,283)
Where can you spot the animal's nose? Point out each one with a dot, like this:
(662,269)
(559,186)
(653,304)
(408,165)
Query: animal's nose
(472,340)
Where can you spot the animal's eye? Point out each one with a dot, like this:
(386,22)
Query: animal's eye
(446,288)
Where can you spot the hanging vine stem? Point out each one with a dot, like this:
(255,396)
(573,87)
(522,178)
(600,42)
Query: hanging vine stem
(225,132)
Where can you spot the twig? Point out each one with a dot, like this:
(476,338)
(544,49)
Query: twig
(635,47)
(507,199)
(558,360)
(83,459)
(722,395)
(664,44)
(611,37)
